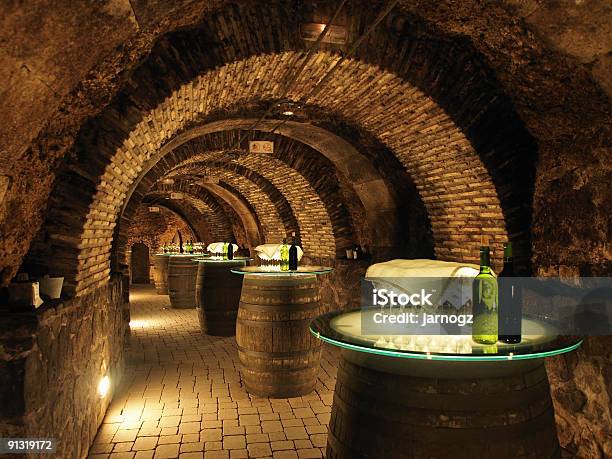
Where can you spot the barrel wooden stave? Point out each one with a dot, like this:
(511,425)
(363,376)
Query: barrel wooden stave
(382,415)
(217,297)
(161,274)
(279,356)
(181,282)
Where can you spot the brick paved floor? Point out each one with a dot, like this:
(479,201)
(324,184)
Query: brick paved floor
(182,396)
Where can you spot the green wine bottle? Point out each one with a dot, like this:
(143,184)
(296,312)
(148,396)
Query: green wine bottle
(284,256)
(485,301)
(510,299)
(293,254)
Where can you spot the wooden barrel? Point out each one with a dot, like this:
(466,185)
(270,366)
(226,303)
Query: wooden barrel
(182,271)
(381,415)
(279,356)
(161,274)
(217,296)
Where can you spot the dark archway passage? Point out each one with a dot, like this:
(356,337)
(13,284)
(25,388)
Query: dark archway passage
(139,264)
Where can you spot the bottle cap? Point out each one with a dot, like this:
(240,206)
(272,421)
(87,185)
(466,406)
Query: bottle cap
(484,241)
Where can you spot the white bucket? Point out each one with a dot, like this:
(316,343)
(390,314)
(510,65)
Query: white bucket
(51,287)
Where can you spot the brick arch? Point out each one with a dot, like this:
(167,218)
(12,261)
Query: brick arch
(315,227)
(218,223)
(275,216)
(142,217)
(183,210)
(322,157)
(239,191)
(310,189)
(245,212)
(454,184)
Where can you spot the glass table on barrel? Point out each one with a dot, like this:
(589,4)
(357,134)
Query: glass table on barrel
(432,396)
(217,293)
(279,357)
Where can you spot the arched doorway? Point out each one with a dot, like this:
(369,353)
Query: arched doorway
(139,263)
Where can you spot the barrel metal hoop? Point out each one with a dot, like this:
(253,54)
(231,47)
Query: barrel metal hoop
(276,355)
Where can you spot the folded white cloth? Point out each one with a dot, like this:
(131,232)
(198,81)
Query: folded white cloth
(422,268)
(216,247)
(405,276)
(272,252)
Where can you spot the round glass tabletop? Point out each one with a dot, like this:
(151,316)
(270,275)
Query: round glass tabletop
(343,329)
(276,271)
(223,260)
(183,254)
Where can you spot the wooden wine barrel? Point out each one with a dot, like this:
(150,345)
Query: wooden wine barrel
(217,296)
(182,271)
(279,356)
(382,415)
(161,274)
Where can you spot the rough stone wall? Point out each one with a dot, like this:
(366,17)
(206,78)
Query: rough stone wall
(55,392)
(340,289)
(581,385)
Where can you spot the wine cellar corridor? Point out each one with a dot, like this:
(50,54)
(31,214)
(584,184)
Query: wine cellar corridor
(182,394)
(351,229)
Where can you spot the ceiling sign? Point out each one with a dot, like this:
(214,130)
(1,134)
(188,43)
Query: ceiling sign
(209,179)
(336,35)
(261,146)
(176,195)
(154,209)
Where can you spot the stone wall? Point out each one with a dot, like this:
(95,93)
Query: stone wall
(581,386)
(340,289)
(51,363)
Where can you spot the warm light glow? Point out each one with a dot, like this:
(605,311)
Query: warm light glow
(139,323)
(103,386)
(288,113)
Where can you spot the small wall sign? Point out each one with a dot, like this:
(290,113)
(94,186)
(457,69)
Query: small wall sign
(261,146)
(154,209)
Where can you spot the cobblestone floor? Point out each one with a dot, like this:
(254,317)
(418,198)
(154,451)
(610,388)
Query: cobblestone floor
(182,396)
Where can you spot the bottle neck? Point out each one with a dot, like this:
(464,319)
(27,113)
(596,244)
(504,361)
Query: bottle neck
(485,260)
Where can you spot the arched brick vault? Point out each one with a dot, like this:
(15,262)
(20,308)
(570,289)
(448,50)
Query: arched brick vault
(232,199)
(42,119)
(128,113)
(199,198)
(275,216)
(321,158)
(183,210)
(302,176)
(456,188)
(144,219)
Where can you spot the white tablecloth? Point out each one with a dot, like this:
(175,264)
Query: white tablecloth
(272,252)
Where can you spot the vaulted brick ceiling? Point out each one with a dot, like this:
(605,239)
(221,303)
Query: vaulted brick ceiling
(447,99)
